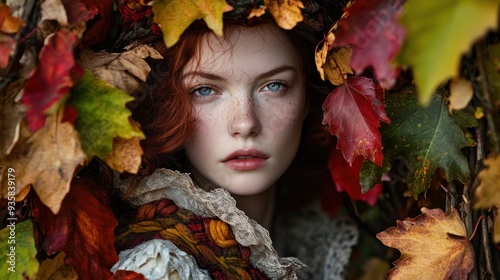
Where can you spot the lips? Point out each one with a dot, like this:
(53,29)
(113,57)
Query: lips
(245,159)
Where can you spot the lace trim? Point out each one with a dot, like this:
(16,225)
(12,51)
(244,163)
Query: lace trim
(178,187)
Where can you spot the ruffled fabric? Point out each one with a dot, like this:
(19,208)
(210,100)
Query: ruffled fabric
(160,259)
(178,187)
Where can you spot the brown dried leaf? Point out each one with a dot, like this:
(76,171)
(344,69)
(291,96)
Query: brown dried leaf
(126,155)
(488,192)
(320,55)
(46,159)
(56,269)
(433,245)
(122,70)
(461,93)
(257,12)
(9,23)
(286,13)
(337,65)
(11,114)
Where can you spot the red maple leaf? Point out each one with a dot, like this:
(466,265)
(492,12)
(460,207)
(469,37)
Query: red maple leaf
(346,178)
(371,29)
(51,79)
(83,229)
(354,111)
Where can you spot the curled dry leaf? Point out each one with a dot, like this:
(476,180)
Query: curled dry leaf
(433,245)
(46,159)
(488,192)
(286,13)
(320,55)
(337,65)
(11,114)
(123,70)
(461,93)
(257,12)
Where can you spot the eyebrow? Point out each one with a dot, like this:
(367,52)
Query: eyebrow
(270,73)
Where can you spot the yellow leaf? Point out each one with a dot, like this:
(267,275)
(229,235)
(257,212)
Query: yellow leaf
(56,269)
(46,159)
(320,55)
(337,65)
(286,13)
(488,192)
(257,12)
(433,245)
(174,16)
(461,93)
(9,23)
(438,36)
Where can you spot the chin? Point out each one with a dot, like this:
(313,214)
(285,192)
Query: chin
(248,186)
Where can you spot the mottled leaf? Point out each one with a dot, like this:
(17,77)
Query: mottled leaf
(488,192)
(438,36)
(433,245)
(354,111)
(174,16)
(83,229)
(286,13)
(18,250)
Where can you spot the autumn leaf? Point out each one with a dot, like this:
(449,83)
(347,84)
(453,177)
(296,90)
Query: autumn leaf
(433,245)
(286,13)
(18,250)
(46,159)
(8,23)
(424,139)
(461,93)
(337,65)
(6,45)
(174,16)
(56,269)
(321,54)
(51,80)
(125,70)
(83,229)
(128,275)
(98,29)
(488,192)
(346,178)
(371,29)
(354,111)
(435,54)
(102,115)
(11,114)
(126,155)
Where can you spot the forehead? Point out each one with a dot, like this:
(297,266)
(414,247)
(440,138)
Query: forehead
(248,49)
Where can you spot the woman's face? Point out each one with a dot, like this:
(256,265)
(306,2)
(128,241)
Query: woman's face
(248,97)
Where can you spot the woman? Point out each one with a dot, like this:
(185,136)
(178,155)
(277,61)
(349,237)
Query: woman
(231,112)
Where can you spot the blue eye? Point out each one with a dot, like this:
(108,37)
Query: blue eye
(275,86)
(204,91)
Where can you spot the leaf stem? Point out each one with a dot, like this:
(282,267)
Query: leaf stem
(475,228)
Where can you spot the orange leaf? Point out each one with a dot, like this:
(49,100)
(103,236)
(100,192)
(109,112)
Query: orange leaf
(286,13)
(433,245)
(8,23)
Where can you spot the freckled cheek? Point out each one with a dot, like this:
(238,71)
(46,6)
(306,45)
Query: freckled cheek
(285,118)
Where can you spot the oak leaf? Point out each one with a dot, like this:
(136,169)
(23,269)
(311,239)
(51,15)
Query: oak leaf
(9,23)
(50,82)
(102,115)
(174,16)
(433,245)
(18,236)
(461,93)
(46,159)
(488,192)
(370,27)
(423,139)
(436,58)
(286,13)
(11,114)
(83,230)
(354,111)
(124,70)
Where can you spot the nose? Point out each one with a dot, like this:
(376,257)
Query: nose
(246,118)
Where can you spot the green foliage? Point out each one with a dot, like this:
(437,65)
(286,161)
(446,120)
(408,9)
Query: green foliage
(23,242)
(423,138)
(102,115)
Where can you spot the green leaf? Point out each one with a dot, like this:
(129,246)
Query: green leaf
(370,174)
(174,16)
(438,33)
(18,251)
(102,115)
(423,139)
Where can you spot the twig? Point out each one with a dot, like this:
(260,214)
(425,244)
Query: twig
(486,244)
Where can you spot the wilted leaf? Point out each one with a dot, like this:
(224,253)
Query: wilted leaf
(11,114)
(126,155)
(52,78)
(46,159)
(321,54)
(424,139)
(6,45)
(337,66)
(371,29)
(174,16)
(18,250)
(286,13)
(102,115)
(434,57)
(433,245)
(461,93)
(56,269)
(488,192)
(354,111)
(346,178)
(123,70)
(83,229)
(9,23)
